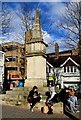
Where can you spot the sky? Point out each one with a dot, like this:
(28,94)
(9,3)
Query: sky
(40,0)
(50,13)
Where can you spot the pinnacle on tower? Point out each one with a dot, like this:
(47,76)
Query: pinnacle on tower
(56,50)
(37,33)
(37,18)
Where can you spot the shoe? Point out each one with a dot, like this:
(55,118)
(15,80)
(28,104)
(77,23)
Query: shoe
(31,109)
(77,111)
(76,105)
(30,104)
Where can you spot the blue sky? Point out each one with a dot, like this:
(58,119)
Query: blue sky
(50,13)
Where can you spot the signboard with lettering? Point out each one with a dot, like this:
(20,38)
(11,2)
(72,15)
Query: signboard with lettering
(15,76)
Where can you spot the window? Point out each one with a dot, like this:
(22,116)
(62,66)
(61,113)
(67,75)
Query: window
(11,68)
(74,68)
(71,68)
(1,69)
(13,47)
(10,48)
(1,56)
(68,69)
(22,50)
(64,69)
(10,59)
(49,69)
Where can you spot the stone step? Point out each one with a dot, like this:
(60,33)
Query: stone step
(20,89)
(16,92)
(20,94)
(41,89)
(19,97)
(24,93)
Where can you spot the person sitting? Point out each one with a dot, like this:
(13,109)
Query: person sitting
(73,98)
(65,98)
(52,90)
(48,105)
(33,97)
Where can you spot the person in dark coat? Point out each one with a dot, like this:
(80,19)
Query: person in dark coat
(65,98)
(33,97)
(64,95)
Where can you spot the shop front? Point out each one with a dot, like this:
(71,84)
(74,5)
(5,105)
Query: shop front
(14,79)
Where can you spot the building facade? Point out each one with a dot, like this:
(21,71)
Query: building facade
(14,63)
(1,69)
(66,67)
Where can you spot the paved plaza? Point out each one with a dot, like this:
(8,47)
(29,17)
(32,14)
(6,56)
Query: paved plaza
(17,112)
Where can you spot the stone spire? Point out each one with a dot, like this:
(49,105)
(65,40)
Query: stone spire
(37,33)
(37,18)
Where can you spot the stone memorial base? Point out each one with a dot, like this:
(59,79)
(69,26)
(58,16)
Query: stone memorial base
(35,82)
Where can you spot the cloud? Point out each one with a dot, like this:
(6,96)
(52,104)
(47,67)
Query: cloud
(53,13)
(47,38)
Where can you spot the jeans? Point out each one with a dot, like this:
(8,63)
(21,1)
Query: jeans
(72,106)
(74,100)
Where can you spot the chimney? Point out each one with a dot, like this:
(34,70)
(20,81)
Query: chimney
(56,50)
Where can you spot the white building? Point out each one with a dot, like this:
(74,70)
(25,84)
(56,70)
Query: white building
(68,73)
(1,68)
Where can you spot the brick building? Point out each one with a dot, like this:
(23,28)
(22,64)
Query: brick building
(14,62)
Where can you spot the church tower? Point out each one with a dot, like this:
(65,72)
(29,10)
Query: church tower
(35,55)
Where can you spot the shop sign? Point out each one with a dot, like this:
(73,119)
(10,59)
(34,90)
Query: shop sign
(15,76)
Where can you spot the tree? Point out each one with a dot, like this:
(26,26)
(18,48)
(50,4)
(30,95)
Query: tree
(79,45)
(25,13)
(5,20)
(71,24)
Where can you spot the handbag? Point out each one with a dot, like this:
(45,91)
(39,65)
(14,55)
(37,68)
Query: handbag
(44,109)
(29,100)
